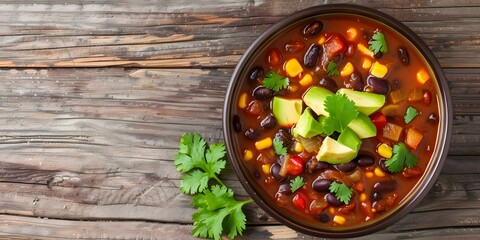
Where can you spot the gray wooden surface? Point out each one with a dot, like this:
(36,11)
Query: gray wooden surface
(94,96)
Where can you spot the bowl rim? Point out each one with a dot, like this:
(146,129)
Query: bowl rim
(443,138)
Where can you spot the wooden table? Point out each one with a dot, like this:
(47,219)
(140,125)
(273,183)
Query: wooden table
(94,96)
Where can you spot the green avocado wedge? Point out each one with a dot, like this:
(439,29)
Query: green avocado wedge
(334,152)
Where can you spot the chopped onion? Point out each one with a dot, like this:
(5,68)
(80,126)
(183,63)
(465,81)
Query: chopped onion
(311,144)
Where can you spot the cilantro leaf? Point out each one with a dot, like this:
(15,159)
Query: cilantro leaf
(341,191)
(332,69)
(410,114)
(274,81)
(401,156)
(278,147)
(341,112)
(217,209)
(296,183)
(378,43)
(200,164)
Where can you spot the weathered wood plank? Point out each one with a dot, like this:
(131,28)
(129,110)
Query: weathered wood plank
(189,34)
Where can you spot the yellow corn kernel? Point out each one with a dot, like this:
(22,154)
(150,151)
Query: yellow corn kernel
(378,70)
(242,101)
(369,174)
(321,40)
(378,172)
(363,197)
(364,50)
(306,81)
(384,150)
(339,219)
(298,147)
(351,34)
(422,76)
(293,67)
(374,210)
(366,63)
(264,143)
(266,168)
(347,70)
(292,88)
(331,210)
(247,155)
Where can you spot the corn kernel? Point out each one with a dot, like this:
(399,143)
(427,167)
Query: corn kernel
(369,174)
(293,67)
(363,197)
(298,147)
(247,155)
(266,169)
(351,34)
(423,76)
(339,219)
(263,144)
(374,210)
(331,210)
(364,50)
(321,40)
(242,101)
(378,172)
(378,70)
(347,70)
(306,81)
(366,64)
(292,88)
(384,150)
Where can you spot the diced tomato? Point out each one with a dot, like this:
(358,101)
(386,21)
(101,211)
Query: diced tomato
(274,57)
(334,44)
(379,120)
(299,201)
(295,165)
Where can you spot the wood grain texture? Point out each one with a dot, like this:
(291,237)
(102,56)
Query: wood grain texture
(94,96)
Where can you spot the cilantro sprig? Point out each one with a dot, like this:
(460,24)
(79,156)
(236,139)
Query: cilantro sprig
(278,147)
(378,43)
(410,114)
(332,69)
(341,112)
(275,81)
(217,208)
(296,183)
(401,156)
(341,191)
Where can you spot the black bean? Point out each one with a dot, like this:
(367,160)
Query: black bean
(378,55)
(379,85)
(377,196)
(313,165)
(252,134)
(284,136)
(321,185)
(275,171)
(403,55)
(332,200)
(382,165)
(346,167)
(324,218)
(355,82)
(262,92)
(365,160)
(335,135)
(268,122)
(255,73)
(313,28)
(329,84)
(385,186)
(433,118)
(237,123)
(284,188)
(311,56)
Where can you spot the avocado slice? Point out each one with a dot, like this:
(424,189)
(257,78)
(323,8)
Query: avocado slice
(334,152)
(366,102)
(350,139)
(315,98)
(307,126)
(363,126)
(287,111)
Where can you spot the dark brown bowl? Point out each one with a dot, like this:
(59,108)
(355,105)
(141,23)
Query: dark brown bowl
(425,182)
